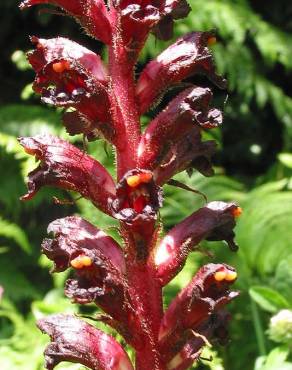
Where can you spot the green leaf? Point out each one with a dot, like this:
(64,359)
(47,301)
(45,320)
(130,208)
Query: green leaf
(29,120)
(12,231)
(268,299)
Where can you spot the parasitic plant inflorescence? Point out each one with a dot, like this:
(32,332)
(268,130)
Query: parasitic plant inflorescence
(106,100)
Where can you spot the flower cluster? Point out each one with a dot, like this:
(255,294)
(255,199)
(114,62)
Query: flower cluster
(105,100)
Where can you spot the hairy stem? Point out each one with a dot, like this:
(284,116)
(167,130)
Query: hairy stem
(123,104)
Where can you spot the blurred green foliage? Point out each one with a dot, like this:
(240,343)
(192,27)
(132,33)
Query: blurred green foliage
(253,167)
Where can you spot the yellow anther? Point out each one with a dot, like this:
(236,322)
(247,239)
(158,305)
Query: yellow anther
(87,261)
(141,178)
(236,212)
(60,67)
(231,276)
(81,261)
(133,181)
(212,40)
(220,275)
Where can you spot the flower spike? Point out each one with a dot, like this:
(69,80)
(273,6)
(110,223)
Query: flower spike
(104,100)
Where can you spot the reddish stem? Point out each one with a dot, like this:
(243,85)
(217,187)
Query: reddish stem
(123,103)
(144,291)
(146,299)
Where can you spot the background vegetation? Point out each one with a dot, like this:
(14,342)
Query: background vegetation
(253,167)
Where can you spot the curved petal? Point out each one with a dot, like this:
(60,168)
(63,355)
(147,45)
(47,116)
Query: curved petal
(189,108)
(188,56)
(215,221)
(193,307)
(91,14)
(65,166)
(59,48)
(71,76)
(74,340)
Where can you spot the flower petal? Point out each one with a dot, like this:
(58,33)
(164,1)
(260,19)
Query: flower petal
(91,14)
(188,56)
(65,166)
(215,221)
(189,108)
(74,340)
(136,23)
(188,154)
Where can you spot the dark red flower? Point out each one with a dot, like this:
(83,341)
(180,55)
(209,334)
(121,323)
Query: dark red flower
(126,282)
(71,76)
(76,341)
(215,221)
(188,109)
(187,154)
(97,260)
(67,167)
(193,309)
(188,56)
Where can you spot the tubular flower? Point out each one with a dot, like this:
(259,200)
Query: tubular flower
(138,18)
(190,108)
(215,221)
(188,56)
(67,167)
(125,280)
(196,316)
